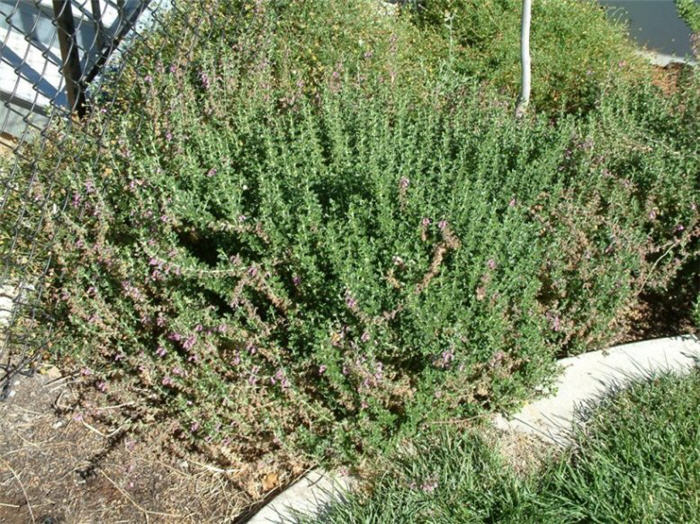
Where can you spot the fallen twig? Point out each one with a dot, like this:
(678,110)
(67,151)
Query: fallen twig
(24,492)
(143,510)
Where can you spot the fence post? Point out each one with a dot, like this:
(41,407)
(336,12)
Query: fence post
(65,26)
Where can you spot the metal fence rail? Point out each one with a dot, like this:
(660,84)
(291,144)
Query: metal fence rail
(56,57)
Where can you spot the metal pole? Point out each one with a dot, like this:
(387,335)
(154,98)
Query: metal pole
(99,27)
(65,25)
(524,98)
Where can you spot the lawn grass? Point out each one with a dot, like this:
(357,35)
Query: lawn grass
(636,459)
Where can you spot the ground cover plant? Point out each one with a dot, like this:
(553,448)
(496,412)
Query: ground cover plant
(284,250)
(636,459)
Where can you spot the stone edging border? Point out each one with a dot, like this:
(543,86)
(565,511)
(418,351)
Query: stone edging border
(586,378)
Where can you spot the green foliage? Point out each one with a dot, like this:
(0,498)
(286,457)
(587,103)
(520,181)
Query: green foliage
(689,10)
(284,247)
(575,50)
(636,459)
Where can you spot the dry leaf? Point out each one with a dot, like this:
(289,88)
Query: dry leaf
(270,481)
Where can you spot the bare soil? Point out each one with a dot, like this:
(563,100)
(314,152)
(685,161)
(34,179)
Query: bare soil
(58,465)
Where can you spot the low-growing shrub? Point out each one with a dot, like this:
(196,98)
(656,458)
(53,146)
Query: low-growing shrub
(575,50)
(262,268)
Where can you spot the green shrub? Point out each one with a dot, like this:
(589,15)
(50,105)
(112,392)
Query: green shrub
(274,268)
(575,50)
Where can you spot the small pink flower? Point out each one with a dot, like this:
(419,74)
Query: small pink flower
(322,369)
(512,202)
(491,263)
(404,182)
(442,224)
(425,221)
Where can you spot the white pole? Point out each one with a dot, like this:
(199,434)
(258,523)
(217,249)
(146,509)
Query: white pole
(524,97)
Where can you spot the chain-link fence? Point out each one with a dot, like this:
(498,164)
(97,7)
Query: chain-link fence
(56,59)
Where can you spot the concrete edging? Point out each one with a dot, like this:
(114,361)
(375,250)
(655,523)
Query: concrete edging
(590,376)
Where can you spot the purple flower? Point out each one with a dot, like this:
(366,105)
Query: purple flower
(404,182)
(252,271)
(350,302)
(161,351)
(189,342)
(76,199)
(177,371)
(491,263)
(102,387)
(242,218)
(172,68)
(205,80)
(442,224)
(429,486)
(211,172)
(556,322)
(169,136)
(167,381)
(447,357)
(322,369)
(425,221)
(296,280)
(679,228)
(148,79)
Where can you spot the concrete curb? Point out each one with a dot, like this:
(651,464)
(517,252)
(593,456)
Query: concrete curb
(586,379)
(662,60)
(309,496)
(589,377)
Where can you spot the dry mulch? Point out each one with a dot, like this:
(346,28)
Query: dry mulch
(57,466)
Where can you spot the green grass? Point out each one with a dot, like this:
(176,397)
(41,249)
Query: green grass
(636,459)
